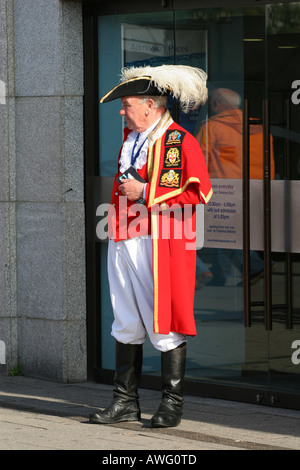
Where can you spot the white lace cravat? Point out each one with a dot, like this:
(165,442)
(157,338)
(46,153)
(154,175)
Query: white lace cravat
(125,160)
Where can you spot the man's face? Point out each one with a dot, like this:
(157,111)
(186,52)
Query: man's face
(135,112)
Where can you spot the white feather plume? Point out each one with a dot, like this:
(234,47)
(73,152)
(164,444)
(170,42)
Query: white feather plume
(188,84)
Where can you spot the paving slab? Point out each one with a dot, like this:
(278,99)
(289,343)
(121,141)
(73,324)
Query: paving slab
(37,414)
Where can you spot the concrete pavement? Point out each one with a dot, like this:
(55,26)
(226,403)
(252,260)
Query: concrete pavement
(41,415)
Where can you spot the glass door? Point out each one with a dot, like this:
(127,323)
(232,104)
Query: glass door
(247,281)
(281,280)
(247,314)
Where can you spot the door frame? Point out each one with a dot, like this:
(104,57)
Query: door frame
(91,10)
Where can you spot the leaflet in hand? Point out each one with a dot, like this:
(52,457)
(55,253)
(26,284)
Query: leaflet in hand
(131,173)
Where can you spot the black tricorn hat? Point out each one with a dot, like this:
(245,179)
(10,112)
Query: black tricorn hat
(186,84)
(134,86)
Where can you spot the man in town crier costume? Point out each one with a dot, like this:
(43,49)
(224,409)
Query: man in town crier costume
(151,254)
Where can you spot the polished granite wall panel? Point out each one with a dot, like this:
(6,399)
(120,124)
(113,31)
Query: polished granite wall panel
(42,233)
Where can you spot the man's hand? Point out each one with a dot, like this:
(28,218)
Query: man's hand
(132,189)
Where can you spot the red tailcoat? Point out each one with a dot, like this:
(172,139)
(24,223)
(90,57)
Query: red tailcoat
(178,181)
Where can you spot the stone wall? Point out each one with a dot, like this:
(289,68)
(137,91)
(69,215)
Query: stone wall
(42,223)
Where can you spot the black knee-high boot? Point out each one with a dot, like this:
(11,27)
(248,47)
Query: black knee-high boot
(172,369)
(125,405)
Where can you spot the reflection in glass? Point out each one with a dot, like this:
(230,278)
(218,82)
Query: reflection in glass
(253,53)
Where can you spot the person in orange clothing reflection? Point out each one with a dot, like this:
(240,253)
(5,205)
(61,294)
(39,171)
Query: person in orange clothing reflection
(221,140)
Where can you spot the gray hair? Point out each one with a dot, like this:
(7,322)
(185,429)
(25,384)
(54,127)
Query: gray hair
(158,100)
(228,98)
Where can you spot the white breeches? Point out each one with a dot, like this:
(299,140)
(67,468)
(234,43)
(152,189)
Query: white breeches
(131,290)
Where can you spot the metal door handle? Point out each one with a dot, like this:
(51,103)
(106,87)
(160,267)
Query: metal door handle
(267,216)
(246,215)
